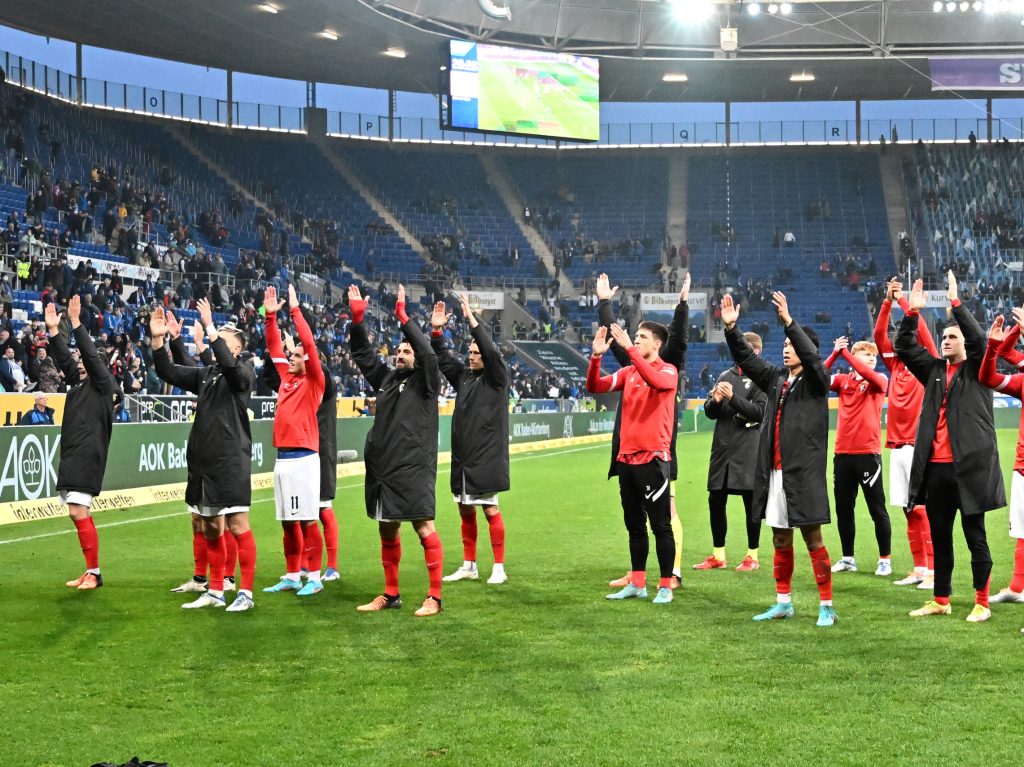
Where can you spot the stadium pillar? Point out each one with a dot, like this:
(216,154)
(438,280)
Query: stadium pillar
(78,73)
(858,120)
(728,123)
(310,94)
(392,97)
(230,96)
(988,117)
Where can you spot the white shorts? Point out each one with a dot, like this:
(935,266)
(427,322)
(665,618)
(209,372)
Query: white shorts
(326,504)
(297,488)
(217,511)
(1017,506)
(475,500)
(777,514)
(73,496)
(900,461)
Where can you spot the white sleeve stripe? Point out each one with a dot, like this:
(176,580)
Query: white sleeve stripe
(1004,384)
(615,377)
(888,354)
(1020,365)
(281,360)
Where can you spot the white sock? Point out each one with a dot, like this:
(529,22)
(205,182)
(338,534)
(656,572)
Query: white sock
(218,594)
(246,592)
(467,565)
(292,576)
(93,570)
(784,599)
(921,570)
(851,560)
(314,575)
(499,567)
(826,602)
(677,572)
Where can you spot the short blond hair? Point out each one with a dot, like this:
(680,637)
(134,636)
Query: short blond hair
(864,346)
(754,340)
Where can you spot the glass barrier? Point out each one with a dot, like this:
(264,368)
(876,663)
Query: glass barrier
(182,106)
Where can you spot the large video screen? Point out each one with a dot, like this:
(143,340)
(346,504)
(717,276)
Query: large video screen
(498,89)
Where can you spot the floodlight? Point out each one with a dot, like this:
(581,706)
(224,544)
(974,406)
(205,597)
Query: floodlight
(773,8)
(675,77)
(785,8)
(329,34)
(753,9)
(964,6)
(937,7)
(950,7)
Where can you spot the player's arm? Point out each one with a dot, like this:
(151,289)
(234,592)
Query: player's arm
(58,347)
(750,410)
(919,361)
(1008,348)
(495,369)
(366,358)
(314,372)
(606,317)
(99,375)
(924,336)
(881,333)
(987,375)
(875,379)
(179,353)
(184,377)
(974,337)
(273,336)
(756,368)
(596,383)
(715,405)
(674,352)
(658,375)
(425,357)
(451,367)
(239,375)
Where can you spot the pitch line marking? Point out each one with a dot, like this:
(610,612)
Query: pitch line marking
(261,500)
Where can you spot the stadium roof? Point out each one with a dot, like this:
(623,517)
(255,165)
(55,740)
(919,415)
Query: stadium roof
(870,50)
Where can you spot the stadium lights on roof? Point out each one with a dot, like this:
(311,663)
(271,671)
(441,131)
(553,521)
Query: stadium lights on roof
(803,77)
(937,7)
(329,34)
(395,53)
(950,7)
(964,6)
(675,78)
(754,8)
(773,8)
(785,8)
(268,7)
(692,9)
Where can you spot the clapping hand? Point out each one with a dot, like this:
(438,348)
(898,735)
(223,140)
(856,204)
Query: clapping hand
(601,341)
(729,312)
(996,332)
(602,289)
(270,302)
(440,316)
(779,299)
(917,299)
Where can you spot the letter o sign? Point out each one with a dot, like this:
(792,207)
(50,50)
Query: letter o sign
(153,101)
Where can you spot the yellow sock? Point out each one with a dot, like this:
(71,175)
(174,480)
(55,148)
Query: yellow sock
(719,553)
(677,533)
(752,553)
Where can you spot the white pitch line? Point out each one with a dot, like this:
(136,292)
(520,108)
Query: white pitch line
(261,500)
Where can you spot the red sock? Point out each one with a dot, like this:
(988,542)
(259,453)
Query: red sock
(1017,584)
(784,570)
(89,541)
(924,529)
(216,553)
(330,523)
(469,534)
(638,578)
(231,561)
(247,559)
(199,553)
(497,525)
(941,600)
(665,583)
(822,572)
(292,546)
(434,555)
(390,556)
(981,595)
(312,548)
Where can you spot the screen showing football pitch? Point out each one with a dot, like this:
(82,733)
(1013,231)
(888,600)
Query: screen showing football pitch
(498,89)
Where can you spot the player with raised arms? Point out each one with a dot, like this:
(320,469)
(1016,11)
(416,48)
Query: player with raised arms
(479,437)
(790,486)
(297,439)
(84,432)
(219,452)
(401,450)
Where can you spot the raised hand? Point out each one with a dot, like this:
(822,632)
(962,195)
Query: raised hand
(726,389)
(842,343)
(996,332)
(602,289)
(685,292)
(270,302)
(75,310)
(353,293)
(205,312)
(467,311)
(158,323)
(440,317)
(197,335)
(952,292)
(1018,314)
(917,298)
(779,299)
(601,341)
(289,342)
(173,326)
(51,318)
(401,294)
(620,336)
(293,300)
(729,311)
(893,290)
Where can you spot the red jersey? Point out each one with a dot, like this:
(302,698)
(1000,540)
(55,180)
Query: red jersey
(299,396)
(942,452)
(859,431)
(776,450)
(648,405)
(905,392)
(1012,385)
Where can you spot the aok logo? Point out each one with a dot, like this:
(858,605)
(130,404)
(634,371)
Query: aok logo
(29,469)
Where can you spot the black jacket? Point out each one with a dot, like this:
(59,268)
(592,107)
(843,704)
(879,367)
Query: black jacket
(803,441)
(401,448)
(480,421)
(972,434)
(734,447)
(88,416)
(673,352)
(327,421)
(219,453)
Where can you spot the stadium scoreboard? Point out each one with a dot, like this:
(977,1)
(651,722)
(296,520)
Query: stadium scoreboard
(514,91)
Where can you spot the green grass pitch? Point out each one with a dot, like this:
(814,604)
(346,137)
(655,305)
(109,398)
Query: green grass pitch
(540,671)
(510,106)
